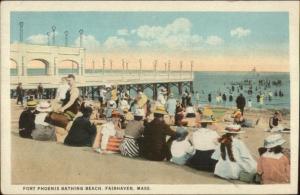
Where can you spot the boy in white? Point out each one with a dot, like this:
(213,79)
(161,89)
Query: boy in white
(181,149)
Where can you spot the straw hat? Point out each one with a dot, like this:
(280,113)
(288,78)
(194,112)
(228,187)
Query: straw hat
(237,113)
(125,110)
(207,116)
(207,119)
(181,133)
(31,104)
(207,111)
(139,112)
(160,110)
(273,140)
(44,107)
(233,129)
(111,103)
(115,113)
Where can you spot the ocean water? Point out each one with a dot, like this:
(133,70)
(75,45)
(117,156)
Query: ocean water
(219,82)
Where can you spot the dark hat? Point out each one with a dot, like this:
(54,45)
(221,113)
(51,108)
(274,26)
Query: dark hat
(87,111)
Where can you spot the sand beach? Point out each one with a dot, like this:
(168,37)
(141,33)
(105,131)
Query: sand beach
(37,162)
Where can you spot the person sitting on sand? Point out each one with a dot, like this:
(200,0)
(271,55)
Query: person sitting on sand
(273,166)
(43,131)
(233,156)
(274,123)
(26,120)
(70,105)
(154,145)
(179,116)
(181,149)
(239,119)
(141,101)
(190,111)
(205,142)
(82,132)
(123,104)
(109,136)
(161,101)
(111,105)
(129,146)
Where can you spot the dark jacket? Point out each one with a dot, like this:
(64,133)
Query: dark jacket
(154,145)
(82,133)
(240,101)
(26,123)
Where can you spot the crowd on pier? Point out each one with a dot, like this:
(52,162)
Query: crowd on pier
(166,129)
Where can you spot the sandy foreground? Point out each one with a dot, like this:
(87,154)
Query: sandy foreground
(37,162)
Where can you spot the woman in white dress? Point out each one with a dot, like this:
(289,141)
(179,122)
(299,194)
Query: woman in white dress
(233,156)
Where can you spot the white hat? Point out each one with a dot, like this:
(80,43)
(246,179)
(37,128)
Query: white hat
(273,140)
(139,112)
(233,129)
(108,86)
(111,102)
(44,107)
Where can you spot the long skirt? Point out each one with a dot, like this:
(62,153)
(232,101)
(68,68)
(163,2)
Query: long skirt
(202,161)
(58,119)
(129,147)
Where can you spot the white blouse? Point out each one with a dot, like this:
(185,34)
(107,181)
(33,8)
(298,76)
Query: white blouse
(205,139)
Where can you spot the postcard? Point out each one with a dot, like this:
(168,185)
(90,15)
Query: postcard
(132,97)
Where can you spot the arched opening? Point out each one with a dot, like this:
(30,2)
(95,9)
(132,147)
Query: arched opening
(13,67)
(68,67)
(37,67)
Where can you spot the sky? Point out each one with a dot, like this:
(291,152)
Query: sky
(212,40)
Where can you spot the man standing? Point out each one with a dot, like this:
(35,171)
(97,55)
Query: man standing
(240,103)
(20,94)
(40,91)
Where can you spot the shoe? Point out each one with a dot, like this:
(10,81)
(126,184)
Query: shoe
(110,152)
(98,150)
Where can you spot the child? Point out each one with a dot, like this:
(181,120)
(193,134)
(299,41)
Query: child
(181,148)
(273,165)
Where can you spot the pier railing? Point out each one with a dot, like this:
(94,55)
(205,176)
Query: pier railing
(117,77)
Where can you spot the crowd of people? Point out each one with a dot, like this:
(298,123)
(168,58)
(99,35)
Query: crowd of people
(255,94)
(140,129)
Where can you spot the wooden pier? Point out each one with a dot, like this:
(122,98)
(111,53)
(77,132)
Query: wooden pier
(90,82)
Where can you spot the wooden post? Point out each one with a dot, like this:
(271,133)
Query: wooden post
(103,66)
(123,64)
(154,91)
(180,69)
(140,73)
(93,93)
(180,88)
(168,88)
(191,87)
(192,65)
(169,64)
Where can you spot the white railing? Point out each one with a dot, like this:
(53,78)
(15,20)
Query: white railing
(117,77)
